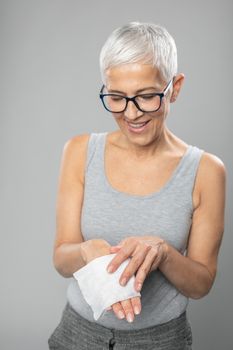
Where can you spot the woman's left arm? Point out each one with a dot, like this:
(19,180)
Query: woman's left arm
(193,275)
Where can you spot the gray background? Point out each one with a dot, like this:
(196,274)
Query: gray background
(50,81)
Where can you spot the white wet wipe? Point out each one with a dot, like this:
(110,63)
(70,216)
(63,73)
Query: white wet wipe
(100,288)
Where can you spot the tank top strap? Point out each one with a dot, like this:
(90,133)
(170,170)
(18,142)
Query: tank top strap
(94,149)
(186,176)
(190,165)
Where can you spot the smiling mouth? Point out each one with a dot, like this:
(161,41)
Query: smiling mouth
(137,127)
(139,124)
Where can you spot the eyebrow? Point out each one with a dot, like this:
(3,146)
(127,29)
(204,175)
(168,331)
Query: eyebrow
(140,90)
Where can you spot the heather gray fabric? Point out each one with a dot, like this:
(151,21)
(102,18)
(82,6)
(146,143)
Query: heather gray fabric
(113,215)
(75,332)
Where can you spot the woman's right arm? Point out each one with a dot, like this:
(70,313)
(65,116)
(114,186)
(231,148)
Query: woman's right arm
(71,252)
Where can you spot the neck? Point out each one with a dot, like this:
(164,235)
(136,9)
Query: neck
(145,151)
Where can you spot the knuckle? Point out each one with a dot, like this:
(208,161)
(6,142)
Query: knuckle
(136,302)
(140,280)
(126,274)
(126,304)
(154,250)
(148,247)
(132,240)
(114,264)
(116,307)
(136,260)
(128,309)
(123,253)
(143,272)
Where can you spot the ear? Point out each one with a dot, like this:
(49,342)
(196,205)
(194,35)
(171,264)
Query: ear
(177,84)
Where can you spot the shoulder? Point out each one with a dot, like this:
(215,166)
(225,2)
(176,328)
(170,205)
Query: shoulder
(211,165)
(76,146)
(210,179)
(76,143)
(211,173)
(74,154)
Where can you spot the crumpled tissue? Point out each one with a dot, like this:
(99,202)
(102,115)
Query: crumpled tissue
(100,288)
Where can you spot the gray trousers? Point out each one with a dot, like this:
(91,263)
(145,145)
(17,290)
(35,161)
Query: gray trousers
(76,333)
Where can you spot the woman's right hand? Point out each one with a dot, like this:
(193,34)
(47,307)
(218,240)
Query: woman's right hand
(93,249)
(127,308)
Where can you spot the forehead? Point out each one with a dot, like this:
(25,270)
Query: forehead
(132,75)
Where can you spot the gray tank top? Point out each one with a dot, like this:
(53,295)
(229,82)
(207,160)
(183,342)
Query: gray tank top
(113,215)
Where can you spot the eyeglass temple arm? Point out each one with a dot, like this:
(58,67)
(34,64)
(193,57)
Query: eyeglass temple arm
(169,84)
(101,91)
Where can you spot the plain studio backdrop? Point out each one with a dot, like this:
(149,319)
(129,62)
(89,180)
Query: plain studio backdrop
(50,81)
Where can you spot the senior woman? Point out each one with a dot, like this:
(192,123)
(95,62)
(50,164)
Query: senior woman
(142,193)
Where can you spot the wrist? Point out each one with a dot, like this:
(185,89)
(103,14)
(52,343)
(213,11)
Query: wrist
(83,247)
(166,251)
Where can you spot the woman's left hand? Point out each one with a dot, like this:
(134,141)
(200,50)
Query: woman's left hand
(146,253)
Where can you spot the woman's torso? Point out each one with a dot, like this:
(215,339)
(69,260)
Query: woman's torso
(122,198)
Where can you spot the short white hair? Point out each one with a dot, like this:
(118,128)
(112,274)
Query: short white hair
(147,43)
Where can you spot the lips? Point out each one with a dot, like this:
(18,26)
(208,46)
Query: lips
(144,122)
(138,129)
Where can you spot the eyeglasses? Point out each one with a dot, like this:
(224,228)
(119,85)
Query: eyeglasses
(149,102)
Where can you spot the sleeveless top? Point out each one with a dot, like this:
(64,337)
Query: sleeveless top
(113,215)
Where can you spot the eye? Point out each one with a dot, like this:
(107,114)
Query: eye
(147,97)
(116,98)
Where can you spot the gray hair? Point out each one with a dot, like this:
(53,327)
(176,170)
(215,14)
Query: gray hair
(147,43)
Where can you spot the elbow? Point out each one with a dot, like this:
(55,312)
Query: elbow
(59,264)
(198,294)
(203,288)
(61,271)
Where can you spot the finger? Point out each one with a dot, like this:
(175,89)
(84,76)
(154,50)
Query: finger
(118,310)
(128,309)
(114,249)
(159,257)
(145,268)
(136,303)
(134,264)
(108,308)
(124,253)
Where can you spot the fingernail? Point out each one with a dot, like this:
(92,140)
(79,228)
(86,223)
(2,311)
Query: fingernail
(123,281)
(139,286)
(136,310)
(121,314)
(129,318)
(110,268)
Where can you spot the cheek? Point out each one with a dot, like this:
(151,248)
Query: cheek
(157,123)
(117,116)
(158,117)
(161,115)
(166,107)
(119,119)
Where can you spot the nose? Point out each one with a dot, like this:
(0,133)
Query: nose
(132,111)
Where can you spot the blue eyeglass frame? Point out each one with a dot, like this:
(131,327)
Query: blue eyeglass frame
(133,98)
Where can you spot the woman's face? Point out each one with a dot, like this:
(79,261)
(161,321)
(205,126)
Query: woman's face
(126,80)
